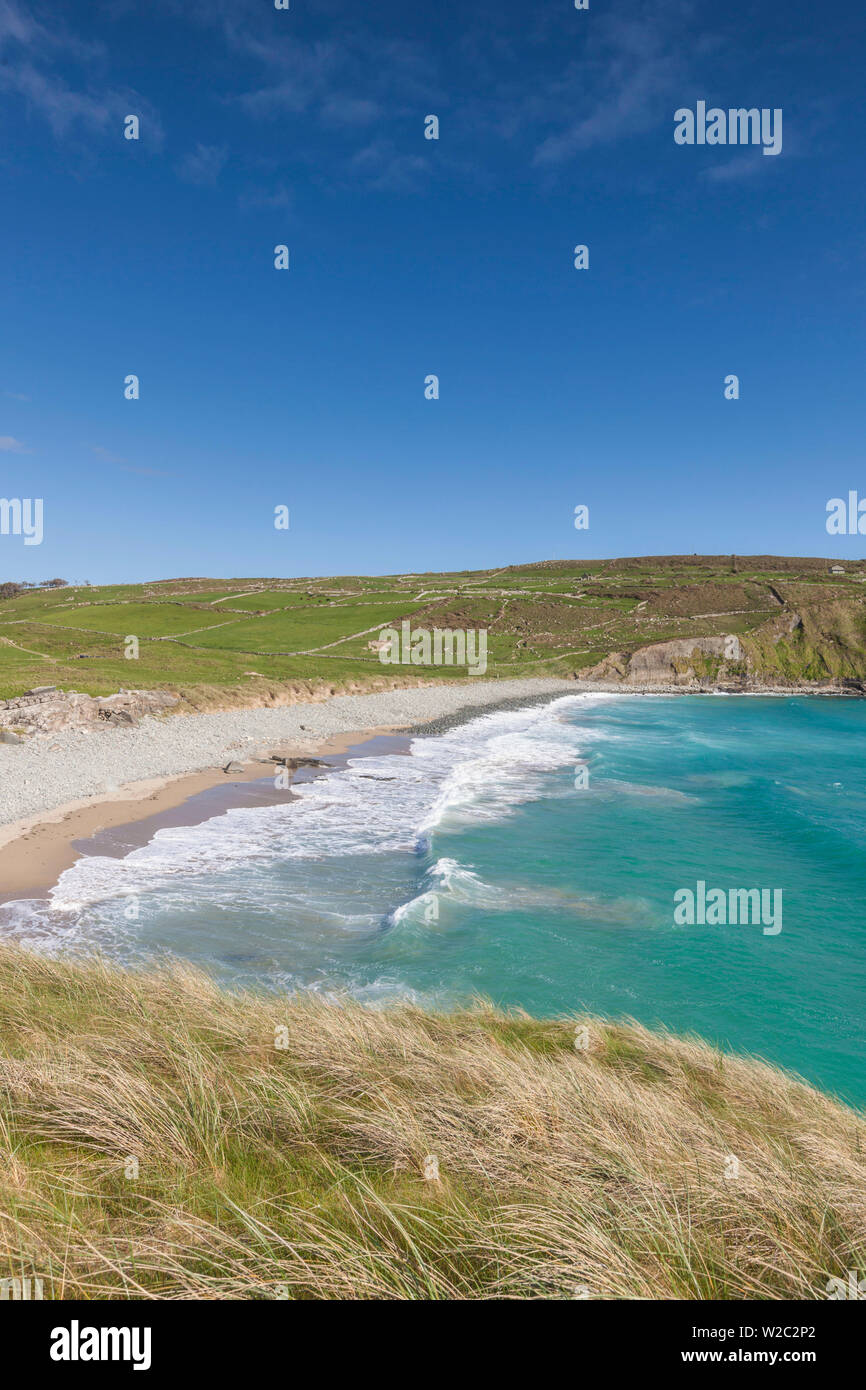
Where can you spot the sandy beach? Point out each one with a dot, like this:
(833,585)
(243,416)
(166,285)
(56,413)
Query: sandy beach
(61,789)
(36,850)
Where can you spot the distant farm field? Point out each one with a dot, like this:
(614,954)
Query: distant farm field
(796,617)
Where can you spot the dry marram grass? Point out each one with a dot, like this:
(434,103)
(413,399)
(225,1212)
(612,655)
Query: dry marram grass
(298,1171)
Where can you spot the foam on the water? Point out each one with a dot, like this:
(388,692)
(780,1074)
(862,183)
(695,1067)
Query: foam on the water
(479,865)
(478,771)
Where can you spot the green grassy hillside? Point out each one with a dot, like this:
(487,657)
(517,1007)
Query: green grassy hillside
(796,620)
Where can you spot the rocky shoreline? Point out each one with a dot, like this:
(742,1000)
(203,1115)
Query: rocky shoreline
(47,710)
(112,743)
(99,758)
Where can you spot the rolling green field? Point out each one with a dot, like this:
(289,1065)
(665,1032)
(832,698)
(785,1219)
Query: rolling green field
(795,618)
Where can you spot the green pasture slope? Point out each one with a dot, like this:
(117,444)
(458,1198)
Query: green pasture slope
(796,618)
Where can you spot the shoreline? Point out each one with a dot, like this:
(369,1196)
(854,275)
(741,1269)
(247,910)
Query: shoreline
(36,848)
(49,771)
(35,851)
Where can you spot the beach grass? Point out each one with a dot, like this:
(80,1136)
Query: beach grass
(162,1138)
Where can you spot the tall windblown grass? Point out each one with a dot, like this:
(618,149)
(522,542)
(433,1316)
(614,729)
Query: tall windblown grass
(298,1170)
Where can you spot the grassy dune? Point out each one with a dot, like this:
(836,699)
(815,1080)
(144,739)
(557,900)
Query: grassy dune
(298,1171)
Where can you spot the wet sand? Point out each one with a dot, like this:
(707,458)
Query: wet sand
(35,852)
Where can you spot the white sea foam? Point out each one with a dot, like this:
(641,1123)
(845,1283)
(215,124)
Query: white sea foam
(450,887)
(477,772)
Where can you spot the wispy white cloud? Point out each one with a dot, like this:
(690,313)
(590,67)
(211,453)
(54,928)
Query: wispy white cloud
(344,85)
(386,170)
(300,75)
(622,87)
(19,25)
(203,165)
(8,445)
(744,165)
(30,53)
(258,197)
(53,99)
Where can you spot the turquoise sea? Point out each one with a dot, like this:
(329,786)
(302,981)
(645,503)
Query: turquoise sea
(532,856)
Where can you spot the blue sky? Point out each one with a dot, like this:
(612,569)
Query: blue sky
(305,388)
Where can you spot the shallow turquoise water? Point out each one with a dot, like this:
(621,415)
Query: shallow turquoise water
(476,866)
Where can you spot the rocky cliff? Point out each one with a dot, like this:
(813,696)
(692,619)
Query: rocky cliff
(46,710)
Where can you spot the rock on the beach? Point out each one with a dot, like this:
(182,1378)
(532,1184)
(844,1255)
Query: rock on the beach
(294,763)
(47,710)
(77,759)
(7,736)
